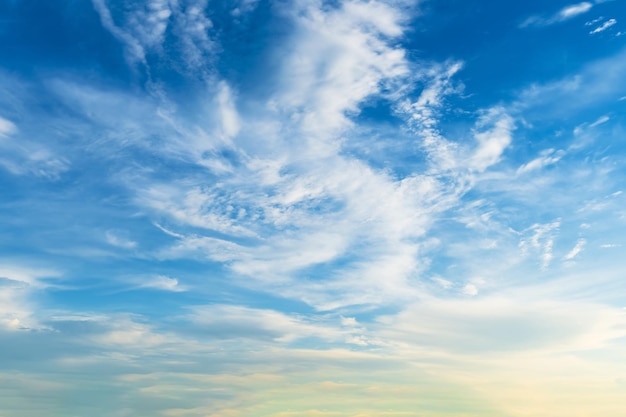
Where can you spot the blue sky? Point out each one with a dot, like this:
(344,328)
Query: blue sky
(312,208)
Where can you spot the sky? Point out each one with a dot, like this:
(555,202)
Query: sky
(342,208)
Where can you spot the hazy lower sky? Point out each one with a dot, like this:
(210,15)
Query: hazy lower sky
(343,208)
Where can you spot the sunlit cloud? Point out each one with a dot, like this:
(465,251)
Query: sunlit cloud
(212,208)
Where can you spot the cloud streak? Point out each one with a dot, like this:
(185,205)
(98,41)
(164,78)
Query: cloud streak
(566,13)
(604,26)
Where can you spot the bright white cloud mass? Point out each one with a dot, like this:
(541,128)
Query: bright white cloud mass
(223,208)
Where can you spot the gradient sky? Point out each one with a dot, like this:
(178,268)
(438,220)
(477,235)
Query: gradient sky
(343,208)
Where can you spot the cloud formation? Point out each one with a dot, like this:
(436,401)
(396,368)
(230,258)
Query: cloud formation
(235,203)
(604,26)
(566,13)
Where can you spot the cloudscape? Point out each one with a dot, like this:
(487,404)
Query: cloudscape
(343,208)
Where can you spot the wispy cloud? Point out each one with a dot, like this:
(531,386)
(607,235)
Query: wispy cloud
(574,10)
(18,285)
(540,241)
(470,289)
(142,29)
(597,81)
(594,21)
(120,239)
(244,6)
(253,223)
(600,121)
(566,13)
(26,157)
(493,141)
(546,158)
(7,127)
(164,283)
(227,321)
(329,202)
(604,26)
(580,244)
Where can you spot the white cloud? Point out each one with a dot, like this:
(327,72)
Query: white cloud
(229,117)
(295,201)
(470,289)
(594,21)
(120,239)
(597,83)
(340,210)
(142,28)
(604,26)
(122,332)
(292,200)
(18,310)
(492,131)
(15,311)
(7,127)
(340,56)
(574,10)
(600,121)
(40,163)
(348,321)
(213,208)
(540,241)
(494,140)
(244,6)
(163,283)
(149,124)
(423,113)
(134,49)
(228,322)
(27,275)
(603,204)
(193,27)
(566,13)
(583,129)
(443,283)
(580,244)
(548,157)
(25,157)
(296,215)
(473,325)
